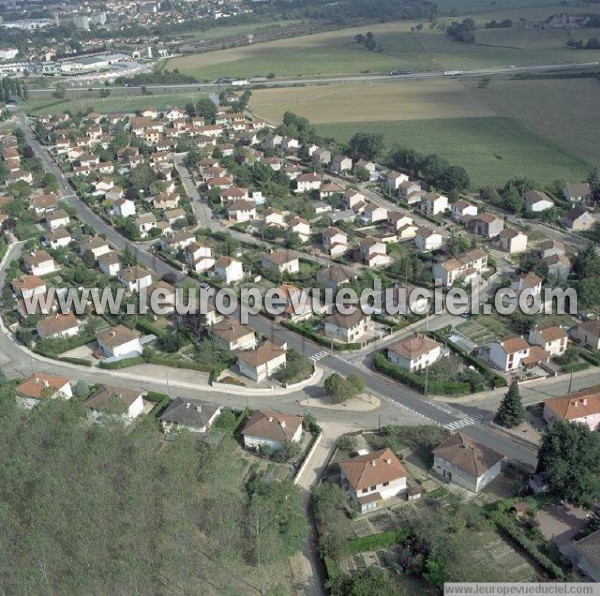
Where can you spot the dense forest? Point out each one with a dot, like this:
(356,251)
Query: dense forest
(104,509)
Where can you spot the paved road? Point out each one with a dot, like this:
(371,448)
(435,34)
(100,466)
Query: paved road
(281,82)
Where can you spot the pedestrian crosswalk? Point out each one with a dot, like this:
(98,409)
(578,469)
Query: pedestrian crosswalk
(464,422)
(319,356)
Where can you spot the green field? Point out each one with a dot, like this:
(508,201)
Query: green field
(491,149)
(110,104)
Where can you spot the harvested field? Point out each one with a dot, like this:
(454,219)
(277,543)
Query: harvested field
(364,102)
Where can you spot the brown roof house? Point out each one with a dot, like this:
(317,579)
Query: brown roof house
(582,406)
(551,338)
(468,464)
(487,225)
(508,355)
(114,402)
(56,326)
(231,335)
(347,328)
(415,352)
(283,260)
(119,341)
(588,333)
(372,478)
(267,428)
(579,219)
(263,361)
(39,386)
(588,555)
(336,275)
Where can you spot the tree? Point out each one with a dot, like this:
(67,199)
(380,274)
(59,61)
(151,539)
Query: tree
(206,108)
(569,457)
(455,178)
(594,182)
(341,390)
(365,145)
(510,412)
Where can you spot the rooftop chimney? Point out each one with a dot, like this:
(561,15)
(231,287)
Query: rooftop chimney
(270,418)
(388,460)
(373,462)
(187,404)
(282,424)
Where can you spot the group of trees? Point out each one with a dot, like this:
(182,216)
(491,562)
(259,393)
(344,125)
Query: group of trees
(433,168)
(368,41)
(463,31)
(340,390)
(299,128)
(493,24)
(365,145)
(593,43)
(11,88)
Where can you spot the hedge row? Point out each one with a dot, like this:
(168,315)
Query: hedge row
(513,531)
(382,364)
(146,326)
(493,378)
(572,367)
(589,357)
(320,339)
(122,363)
(376,541)
(174,363)
(156,396)
(78,361)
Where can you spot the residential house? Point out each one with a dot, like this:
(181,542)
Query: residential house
(199,257)
(355,200)
(271,429)
(193,416)
(40,386)
(58,326)
(350,328)
(512,241)
(466,463)
(230,270)
(231,335)
(273,217)
(588,333)
(97,245)
(123,208)
(557,267)
(341,164)
(39,262)
(464,266)
(578,219)
(241,211)
(394,180)
(415,352)
(428,239)
(487,225)
(57,239)
(119,341)
(116,403)
(321,156)
(583,407)
(404,299)
(537,201)
(300,227)
(308,182)
(263,361)
(29,285)
(177,240)
(373,478)
(44,203)
(335,276)
(508,355)
(411,192)
(462,208)
(134,278)
(57,219)
(549,248)
(283,260)
(529,282)
(144,223)
(373,213)
(587,552)
(577,192)
(109,264)
(551,338)
(373,252)
(330,189)
(335,242)
(434,203)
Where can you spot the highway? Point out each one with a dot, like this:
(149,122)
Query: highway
(361,78)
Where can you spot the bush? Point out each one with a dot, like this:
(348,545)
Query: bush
(156,396)
(513,531)
(377,541)
(122,363)
(382,364)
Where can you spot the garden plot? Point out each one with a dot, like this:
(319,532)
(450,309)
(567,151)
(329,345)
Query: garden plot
(476,333)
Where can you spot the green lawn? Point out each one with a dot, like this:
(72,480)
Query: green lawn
(111,104)
(491,149)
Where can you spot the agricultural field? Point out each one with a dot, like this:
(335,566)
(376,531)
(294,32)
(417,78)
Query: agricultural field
(111,104)
(565,110)
(491,149)
(336,53)
(367,101)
